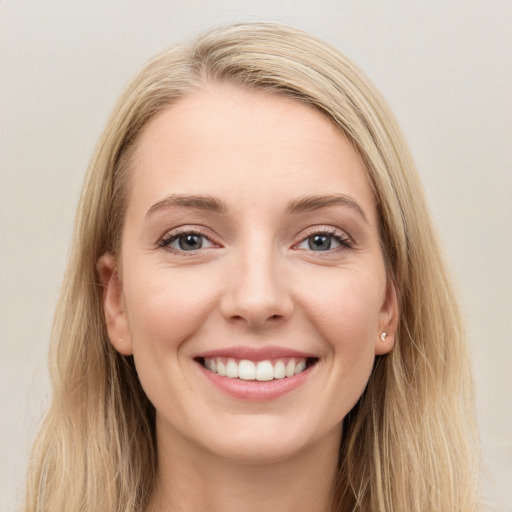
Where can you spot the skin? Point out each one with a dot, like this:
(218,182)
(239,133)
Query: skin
(256,281)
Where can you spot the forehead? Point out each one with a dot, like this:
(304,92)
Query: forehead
(244,146)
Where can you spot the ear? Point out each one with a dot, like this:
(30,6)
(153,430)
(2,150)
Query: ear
(388,321)
(113,305)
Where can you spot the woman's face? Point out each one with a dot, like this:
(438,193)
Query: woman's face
(250,248)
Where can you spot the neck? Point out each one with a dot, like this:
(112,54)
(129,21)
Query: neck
(191,479)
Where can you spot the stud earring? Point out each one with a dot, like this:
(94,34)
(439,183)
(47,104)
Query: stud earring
(383,336)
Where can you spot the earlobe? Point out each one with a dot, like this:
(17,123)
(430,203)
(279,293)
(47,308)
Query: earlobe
(113,306)
(388,322)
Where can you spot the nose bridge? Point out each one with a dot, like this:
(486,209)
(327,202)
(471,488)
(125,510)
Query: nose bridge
(257,290)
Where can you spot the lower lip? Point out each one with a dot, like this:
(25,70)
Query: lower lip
(257,390)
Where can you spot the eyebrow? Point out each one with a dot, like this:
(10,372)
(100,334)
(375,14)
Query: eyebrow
(311,203)
(198,202)
(300,205)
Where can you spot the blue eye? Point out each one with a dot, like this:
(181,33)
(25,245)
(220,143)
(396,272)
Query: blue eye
(321,242)
(186,242)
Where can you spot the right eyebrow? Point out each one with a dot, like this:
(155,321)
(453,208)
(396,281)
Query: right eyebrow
(311,203)
(198,202)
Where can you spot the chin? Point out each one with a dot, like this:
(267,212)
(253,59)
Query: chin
(259,453)
(262,442)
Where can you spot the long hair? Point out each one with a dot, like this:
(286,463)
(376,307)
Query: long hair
(407,445)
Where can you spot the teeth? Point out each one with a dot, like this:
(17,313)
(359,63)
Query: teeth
(300,367)
(232,369)
(264,371)
(249,370)
(279,370)
(290,368)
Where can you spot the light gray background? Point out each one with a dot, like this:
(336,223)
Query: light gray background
(444,66)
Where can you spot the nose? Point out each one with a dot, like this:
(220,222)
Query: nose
(257,292)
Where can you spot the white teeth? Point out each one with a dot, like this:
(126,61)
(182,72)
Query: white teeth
(249,370)
(264,371)
(232,369)
(221,369)
(300,367)
(290,368)
(279,370)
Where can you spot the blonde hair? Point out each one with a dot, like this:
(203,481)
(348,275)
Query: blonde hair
(407,445)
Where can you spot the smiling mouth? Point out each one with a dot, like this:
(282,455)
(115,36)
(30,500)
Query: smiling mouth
(262,371)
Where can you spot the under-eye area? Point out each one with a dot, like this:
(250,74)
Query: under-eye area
(266,370)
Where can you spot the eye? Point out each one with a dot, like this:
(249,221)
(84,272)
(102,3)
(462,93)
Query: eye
(186,241)
(325,241)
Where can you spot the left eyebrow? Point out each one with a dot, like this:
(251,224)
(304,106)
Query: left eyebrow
(197,202)
(311,203)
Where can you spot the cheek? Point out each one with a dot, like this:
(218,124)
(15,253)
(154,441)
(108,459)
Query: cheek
(345,311)
(348,301)
(165,306)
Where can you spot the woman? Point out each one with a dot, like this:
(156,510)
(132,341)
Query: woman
(256,312)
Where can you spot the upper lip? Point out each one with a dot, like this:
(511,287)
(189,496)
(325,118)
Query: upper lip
(256,353)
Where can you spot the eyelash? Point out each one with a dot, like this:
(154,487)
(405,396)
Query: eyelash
(339,236)
(175,235)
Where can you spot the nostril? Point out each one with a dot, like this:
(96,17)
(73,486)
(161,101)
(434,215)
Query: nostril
(254,321)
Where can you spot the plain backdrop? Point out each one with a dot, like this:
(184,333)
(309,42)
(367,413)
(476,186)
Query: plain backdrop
(445,67)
